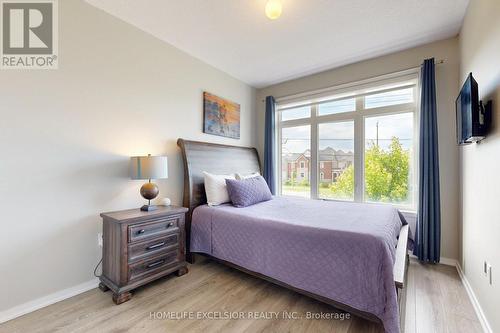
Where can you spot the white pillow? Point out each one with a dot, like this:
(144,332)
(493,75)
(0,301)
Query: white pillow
(215,188)
(239,176)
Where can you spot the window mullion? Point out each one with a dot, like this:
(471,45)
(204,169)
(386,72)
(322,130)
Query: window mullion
(314,153)
(279,158)
(358,151)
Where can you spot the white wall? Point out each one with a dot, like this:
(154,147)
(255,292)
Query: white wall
(66,137)
(480,176)
(447,81)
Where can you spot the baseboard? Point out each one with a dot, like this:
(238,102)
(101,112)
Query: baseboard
(442,260)
(475,302)
(448,261)
(44,301)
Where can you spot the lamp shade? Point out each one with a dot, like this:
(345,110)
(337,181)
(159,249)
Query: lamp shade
(148,167)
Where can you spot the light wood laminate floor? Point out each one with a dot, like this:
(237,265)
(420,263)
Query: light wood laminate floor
(437,302)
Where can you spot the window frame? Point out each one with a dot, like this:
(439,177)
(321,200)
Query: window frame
(357,90)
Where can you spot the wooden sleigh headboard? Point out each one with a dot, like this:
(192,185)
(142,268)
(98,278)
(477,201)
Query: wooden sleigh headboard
(213,158)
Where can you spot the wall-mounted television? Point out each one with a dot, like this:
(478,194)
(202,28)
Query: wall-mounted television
(473,118)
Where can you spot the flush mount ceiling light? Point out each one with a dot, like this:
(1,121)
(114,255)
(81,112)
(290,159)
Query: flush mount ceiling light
(273,9)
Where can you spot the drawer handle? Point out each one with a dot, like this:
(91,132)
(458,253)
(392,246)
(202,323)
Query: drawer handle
(156,263)
(140,232)
(171,224)
(152,247)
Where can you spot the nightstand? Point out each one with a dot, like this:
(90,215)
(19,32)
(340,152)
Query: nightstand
(139,247)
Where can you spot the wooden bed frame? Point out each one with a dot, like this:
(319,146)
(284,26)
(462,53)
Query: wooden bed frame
(225,159)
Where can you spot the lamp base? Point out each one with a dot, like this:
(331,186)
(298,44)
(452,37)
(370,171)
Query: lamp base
(149,191)
(149,208)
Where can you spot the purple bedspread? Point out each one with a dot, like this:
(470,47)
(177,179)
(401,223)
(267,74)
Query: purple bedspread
(339,250)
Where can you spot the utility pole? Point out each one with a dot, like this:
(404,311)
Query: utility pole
(377,133)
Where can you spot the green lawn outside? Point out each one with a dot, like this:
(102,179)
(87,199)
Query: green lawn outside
(324,193)
(304,191)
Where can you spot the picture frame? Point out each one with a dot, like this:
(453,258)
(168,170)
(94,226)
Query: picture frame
(220,116)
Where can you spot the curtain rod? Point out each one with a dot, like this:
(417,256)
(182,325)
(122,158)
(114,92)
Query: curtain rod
(439,62)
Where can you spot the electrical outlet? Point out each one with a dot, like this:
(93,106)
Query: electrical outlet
(490,276)
(485,268)
(99,239)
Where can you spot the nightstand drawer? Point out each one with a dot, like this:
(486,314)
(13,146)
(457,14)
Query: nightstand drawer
(153,265)
(152,247)
(153,228)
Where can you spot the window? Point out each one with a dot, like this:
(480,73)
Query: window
(295,146)
(336,145)
(392,97)
(296,113)
(358,146)
(340,106)
(388,150)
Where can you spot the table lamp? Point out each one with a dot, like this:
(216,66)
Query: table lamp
(149,167)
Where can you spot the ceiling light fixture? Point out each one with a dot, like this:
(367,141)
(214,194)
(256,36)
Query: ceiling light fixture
(273,9)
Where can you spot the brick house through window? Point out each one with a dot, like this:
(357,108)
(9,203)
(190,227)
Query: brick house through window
(332,164)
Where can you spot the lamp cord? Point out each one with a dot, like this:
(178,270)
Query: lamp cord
(97,266)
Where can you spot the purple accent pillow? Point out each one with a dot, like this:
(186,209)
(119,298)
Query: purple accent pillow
(247,192)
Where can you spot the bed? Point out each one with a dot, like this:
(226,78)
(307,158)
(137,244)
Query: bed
(321,249)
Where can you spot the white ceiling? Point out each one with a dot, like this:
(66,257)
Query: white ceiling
(236,37)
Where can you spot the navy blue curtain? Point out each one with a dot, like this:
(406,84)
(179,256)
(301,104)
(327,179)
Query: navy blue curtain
(428,233)
(269,145)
